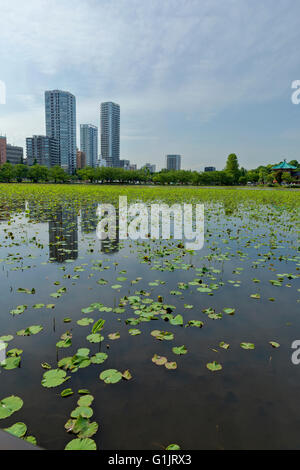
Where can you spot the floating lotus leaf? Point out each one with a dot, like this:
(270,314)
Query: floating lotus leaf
(171,365)
(85,400)
(214,366)
(9,405)
(247,345)
(18,429)
(99,358)
(81,444)
(111,376)
(179,350)
(83,411)
(53,378)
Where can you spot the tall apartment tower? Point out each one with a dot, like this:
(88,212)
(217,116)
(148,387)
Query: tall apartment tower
(2,150)
(89,143)
(60,111)
(173,162)
(110,133)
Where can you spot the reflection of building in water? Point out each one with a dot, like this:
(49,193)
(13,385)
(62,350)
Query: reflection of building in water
(63,235)
(89,218)
(112,246)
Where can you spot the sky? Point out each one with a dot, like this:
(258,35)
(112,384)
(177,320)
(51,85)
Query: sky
(200,78)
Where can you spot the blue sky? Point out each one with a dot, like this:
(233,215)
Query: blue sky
(203,78)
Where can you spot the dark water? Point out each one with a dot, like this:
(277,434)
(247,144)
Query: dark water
(253,402)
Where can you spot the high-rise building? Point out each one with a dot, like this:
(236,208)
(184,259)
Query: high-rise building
(2,150)
(14,154)
(80,160)
(60,113)
(173,162)
(89,143)
(42,150)
(110,133)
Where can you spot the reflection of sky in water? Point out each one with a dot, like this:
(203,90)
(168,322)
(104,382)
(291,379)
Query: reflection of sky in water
(251,403)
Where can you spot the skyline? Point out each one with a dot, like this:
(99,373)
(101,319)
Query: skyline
(219,84)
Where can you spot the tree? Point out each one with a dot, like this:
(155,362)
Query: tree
(294,163)
(7,172)
(243,180)
(20,172)
(38,173)
(232,167)
(57,174)
(287,178)
(262,175)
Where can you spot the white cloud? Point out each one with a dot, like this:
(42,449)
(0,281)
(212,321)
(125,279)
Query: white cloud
(159,60)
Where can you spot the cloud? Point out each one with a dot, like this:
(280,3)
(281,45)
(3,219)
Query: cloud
(167,63)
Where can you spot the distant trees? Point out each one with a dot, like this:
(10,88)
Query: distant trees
(231,175)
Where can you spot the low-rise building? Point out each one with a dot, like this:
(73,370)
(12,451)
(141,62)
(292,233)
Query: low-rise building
(14,154)
(209,168)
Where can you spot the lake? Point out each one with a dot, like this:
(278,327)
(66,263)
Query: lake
(205,336)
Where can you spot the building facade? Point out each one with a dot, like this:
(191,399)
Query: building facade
(110,133)
(60,114)
(2,150)
(173,162)
(125,164)
(150,167)
(14,154)
(101,162)
(80,160)
(89,143)
(42,150)
(209,168)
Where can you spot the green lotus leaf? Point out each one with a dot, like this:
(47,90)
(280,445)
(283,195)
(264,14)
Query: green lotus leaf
(83,411)
(214,366)
(247,345)
(111,376)
(99,358)
(179,350)
(9,405)
(53,378)
(81,444)
(85,400)
(17,429)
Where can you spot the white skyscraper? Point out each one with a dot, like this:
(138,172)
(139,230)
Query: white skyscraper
(110,133)
(60,111)
(89,143)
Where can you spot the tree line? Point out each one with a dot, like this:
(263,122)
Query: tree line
(231,175)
